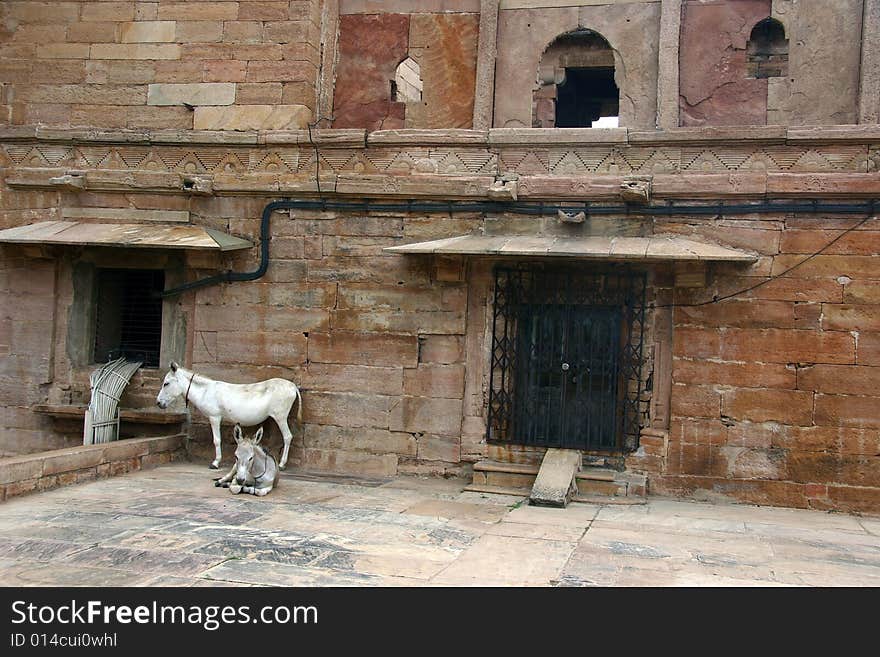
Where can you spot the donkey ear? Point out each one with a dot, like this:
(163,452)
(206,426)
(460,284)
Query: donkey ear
(236,433)
(258,436)
(174,366)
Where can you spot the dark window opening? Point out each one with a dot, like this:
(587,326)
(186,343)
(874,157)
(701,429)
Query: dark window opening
(767,50)
(576,85)
(586,95)
(129,315)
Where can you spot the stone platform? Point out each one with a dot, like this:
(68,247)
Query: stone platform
(170,526)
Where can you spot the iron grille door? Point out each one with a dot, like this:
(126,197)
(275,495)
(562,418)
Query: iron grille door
(566,358)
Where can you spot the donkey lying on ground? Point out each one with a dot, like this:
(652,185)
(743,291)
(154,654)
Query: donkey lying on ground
(255,470)
(248,404)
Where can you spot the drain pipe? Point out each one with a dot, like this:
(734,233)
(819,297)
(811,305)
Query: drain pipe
(232,276)
(535,208)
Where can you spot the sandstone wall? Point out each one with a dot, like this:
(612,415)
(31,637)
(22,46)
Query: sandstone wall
(822,85)
(632,30)
(775,393)
(371,46)
(239,65)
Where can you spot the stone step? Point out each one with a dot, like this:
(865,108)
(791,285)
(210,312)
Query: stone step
(597,474)
(499,466)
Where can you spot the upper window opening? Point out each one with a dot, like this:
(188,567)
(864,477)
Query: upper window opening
(407,84)
(576,85)
(767,50)
(128,318)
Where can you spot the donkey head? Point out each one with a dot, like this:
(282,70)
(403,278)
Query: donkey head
(245,452)
(172,387)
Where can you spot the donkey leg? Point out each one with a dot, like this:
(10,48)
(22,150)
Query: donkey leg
(287,436)
(225,479)
(215,430)
(235,489)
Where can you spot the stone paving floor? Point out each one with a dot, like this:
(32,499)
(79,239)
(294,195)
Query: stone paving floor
(171,527)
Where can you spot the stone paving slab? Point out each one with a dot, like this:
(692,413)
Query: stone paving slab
(171,527)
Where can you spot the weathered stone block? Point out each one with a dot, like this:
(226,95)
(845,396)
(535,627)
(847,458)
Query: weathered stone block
(426,415)
(134,51)
(358,463)
(765,405)
(147,32)
(434,381)
(346,409)
(72,459)
(375,349)
(252,117)
(215,93)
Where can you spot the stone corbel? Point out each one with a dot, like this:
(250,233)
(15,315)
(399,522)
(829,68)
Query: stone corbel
(74,182)
(504,188)
(636,189)
(198,185)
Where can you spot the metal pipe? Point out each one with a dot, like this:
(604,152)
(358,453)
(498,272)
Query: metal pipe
(533,208)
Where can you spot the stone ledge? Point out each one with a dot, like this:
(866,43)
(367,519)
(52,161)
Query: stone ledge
(60,467)
(412,137)
(497,137)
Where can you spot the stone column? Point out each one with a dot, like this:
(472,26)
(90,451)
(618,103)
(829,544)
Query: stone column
(484,92)
(869,76)
(327,77)
(667,73)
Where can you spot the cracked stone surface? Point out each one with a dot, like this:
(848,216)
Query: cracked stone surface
(171,527)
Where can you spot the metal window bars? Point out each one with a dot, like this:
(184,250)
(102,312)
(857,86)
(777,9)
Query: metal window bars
(102,415)
(566,358)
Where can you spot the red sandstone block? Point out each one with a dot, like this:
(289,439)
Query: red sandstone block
(223,70)
(816,490)
(696,431)
(829,266)
(432,447)
(847,317)
(861,242)
(347,409)
(861,292)
(839,379)
(263,11)
(750,434)
(107,11)
(848,410)
(42,12)
(427,415)
(768,405)
(855,499)
(364,349)
(812,290)
(742,375)
(696,342)
(695,401)
(68,460)
(92,32)
(434,381)
(286,71)
(788,346)
(869,349)
(441,349)
(198,11)
(242,32)
(16,488)
(284,348)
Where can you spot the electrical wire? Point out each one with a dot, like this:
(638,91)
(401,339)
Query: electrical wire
(770,279)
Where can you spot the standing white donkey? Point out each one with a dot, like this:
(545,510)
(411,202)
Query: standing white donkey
(248,403)
(254,470)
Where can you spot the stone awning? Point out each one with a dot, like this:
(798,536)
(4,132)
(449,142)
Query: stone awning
(74,233)
(657,247)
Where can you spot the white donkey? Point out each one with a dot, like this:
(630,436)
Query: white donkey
(248,404)
(254,471)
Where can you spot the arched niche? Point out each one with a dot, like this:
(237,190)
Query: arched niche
(767,50)
(576,86)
